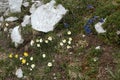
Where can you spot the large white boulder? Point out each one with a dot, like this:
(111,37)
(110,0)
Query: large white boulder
(15,5)
(16,36)
(47,16)
(35,6)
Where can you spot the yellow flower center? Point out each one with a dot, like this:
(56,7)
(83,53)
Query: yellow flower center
(25,54)
(10,55)
(23,61)
(16,56)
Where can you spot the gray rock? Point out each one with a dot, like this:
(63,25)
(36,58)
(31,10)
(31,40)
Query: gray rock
(3,5)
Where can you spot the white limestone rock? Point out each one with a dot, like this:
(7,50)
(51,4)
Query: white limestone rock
(6,13)
(3,5)
(1,19)
(47,16)
(15,5)
(35,6)
(16,36)
(26,20)
(19,73)
(26,4)
(10,19)
(99,27)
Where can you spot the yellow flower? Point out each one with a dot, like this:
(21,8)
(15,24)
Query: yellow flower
(16,56)
(23,61)
(25,54)
(11,55)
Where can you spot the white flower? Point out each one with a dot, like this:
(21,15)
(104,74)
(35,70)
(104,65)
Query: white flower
(41,40)
(31,58)
(27,64)
(31,42)
(70,39)
(50,38)
(69,42)
(46,41)
(43,55)
(68,47)
(69,32)
(55,78)
(61,44)
(53,60)
(64,41)
(21,58)
(33,66)
(30,69)
(95,59)
(38,45)
(98,47)
(83,35)
(5,29)
(49,64)
(118,32)
(7,24)
(37,40)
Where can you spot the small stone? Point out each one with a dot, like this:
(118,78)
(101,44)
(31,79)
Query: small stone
(26,20)
(16,36)
(19,73)
(11,19)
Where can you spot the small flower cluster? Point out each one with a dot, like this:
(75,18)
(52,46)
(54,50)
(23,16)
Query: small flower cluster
(24,60)
(67,42)
(91,21)
(39,41)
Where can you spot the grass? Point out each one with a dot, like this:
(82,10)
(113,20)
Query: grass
(80,62)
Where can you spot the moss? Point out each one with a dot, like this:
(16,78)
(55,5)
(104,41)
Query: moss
(112,25)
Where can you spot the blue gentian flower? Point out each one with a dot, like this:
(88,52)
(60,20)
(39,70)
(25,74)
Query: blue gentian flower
(90,21)
(87,29)
(95,17)
(101,20)
(66,25)
(90,6)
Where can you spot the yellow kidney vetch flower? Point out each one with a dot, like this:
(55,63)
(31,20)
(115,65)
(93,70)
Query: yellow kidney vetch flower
(25,54)
(23,61)
(16,56)
(10,55)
